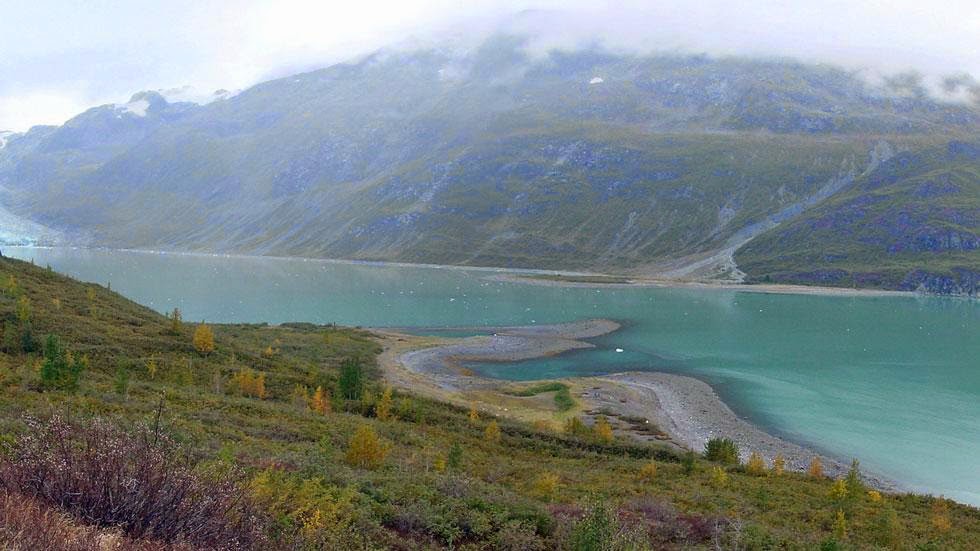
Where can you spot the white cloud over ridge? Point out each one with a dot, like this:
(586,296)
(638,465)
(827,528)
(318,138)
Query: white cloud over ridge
(60,57)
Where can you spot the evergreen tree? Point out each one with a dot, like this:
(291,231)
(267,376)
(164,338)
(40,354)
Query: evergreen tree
(176,322)
(60,370)
(351,379)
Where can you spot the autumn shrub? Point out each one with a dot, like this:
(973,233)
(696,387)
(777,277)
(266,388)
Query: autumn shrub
(815,470)
(383,409)
(366,450)
(648,472)
(722,450)
(719,478)
(778,465)
(309,512)
(492,432)
(755,466)
(26,523)
(139,481)
(603,430)
(545,486)
(575,427)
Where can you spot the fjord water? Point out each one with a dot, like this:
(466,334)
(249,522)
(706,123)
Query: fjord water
(891,380)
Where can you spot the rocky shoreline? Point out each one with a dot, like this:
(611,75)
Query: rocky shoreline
(685,408)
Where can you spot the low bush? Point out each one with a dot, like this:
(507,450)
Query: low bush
(138,482)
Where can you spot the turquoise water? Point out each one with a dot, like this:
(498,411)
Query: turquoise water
(893,381)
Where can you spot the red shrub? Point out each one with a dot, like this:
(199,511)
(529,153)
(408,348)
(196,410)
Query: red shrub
(140,482)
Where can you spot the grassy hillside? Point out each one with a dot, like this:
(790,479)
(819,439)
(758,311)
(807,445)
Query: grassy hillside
(447,480)
(914,223)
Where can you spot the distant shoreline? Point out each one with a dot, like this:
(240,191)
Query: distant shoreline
(538,276)
(684,407)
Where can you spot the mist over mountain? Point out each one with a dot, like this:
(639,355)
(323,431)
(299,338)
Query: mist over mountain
(508,154)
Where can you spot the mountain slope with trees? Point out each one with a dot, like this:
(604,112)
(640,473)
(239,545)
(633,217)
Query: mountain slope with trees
(585,159)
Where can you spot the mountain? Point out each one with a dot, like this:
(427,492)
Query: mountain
(586,160)
(911,225)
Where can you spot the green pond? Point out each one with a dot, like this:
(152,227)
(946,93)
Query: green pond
(891,380)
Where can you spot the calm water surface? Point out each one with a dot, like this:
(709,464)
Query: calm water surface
(893,381)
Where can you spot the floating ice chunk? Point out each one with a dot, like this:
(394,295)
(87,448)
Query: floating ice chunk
(619,350)
(596,80)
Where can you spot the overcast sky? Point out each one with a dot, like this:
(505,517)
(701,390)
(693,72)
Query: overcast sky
(58,58)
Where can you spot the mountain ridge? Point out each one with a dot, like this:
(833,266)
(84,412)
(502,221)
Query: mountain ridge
(580,160)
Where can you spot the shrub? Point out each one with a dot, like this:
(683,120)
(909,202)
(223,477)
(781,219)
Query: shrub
(121,382)
(603,430)
(140,482)
(203,339)
(940,515)
(595,531)
(383,410)
(60,370)
(474,415)
(250,383)
(648,472)
(719,478)
(840,526)
(517,536)
(838,492)
(176,321)
(722,450)
(320,402)
(23,310)
(778,465)
(492,432)
(689,462)
(575,427)
(454,459)
(26,523)
(855,487)
(545,486)
(366,450)
(351,382)
(756,466)
(816,468)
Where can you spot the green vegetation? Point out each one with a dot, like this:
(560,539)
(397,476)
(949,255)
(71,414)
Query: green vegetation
(722,450)
(911,224)
(328,473)
(563,397)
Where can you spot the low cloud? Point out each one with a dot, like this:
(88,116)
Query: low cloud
(92,54)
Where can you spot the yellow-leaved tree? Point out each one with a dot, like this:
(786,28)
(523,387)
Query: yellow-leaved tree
(603,430)
(492,432)
(816,468)
(756,466)
(204,339)
(320,402)
(648,472)
(778,465)
(366,450)
(383,409)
